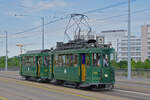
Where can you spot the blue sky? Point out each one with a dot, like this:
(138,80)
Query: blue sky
(100,20)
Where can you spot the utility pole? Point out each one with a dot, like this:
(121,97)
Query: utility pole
(42,18)
(6,59)
(42,33)
(129,40)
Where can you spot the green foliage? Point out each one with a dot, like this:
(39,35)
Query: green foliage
(12,62)
(114,64)
(147,63)
(135,65)
(2,61)
(123,64)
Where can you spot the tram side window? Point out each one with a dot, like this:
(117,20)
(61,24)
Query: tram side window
(105,61)
(88,59)
(56,60)
(63,60)
(39,60)
(69,60)
(34,61)
(66,60)
(46,60)
(75,60)
(23,61)
(60,60)
(28,61)
(96,59)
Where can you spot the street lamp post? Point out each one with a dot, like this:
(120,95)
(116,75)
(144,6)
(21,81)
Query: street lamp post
(129,40)
(6,58)
(42,33)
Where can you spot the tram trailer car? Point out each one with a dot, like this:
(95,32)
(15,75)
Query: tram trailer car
(37,64)
(81,67)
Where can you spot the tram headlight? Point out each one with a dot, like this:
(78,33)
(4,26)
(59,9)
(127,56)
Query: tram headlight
(106,75)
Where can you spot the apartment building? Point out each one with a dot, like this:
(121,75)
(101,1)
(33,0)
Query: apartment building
(145,42)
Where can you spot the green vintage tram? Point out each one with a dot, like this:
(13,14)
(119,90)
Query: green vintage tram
(78,63)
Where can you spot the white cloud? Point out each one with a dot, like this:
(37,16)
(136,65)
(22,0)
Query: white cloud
(33,5)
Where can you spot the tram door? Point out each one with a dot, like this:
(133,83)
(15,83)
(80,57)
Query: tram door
(39,61)
(83,70)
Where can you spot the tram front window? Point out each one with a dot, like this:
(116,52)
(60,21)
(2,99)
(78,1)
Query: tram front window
(105,61)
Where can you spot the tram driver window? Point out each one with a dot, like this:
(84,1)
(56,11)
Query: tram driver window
(105,61)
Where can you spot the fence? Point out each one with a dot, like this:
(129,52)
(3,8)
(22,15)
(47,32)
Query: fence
(10,69)
(136,73)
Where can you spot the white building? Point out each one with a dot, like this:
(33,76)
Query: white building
(119,40)
(122,51)
(112,36)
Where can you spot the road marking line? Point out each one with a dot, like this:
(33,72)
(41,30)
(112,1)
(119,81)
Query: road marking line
(2,98)
(133,92)
(49,89)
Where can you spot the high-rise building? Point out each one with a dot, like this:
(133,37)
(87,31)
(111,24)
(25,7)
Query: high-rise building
(145,42)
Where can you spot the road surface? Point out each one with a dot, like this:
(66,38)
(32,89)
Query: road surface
(13,87)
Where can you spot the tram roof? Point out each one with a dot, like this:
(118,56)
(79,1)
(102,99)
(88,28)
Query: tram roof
(69,51)
(85,50)
(36,52)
